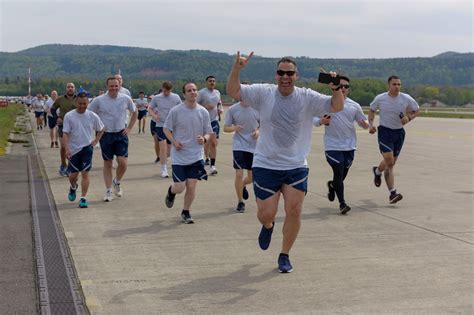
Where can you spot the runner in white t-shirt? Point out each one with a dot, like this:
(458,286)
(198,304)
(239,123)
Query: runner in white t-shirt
(279,165)
(82,129)
(53,134)
(188,128)
(340,142)
(142,104)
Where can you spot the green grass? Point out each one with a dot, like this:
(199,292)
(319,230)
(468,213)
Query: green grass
(7,120)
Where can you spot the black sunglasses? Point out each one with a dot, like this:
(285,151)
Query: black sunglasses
(288,73)
(346,86)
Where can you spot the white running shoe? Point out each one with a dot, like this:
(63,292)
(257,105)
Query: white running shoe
(109,196)
(164,174)
(213,170)
(117,188)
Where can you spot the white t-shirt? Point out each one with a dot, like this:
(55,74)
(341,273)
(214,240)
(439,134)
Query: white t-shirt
(47,106)
(187,124)
(286,123)
(206,97)
(38,106)
(340,135)
(141,104)
(113,111)
(391,107)
(81,129)
(162,105)
(248,118)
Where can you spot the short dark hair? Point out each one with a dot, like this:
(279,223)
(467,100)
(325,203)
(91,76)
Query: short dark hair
(167,85)
(287,59)
(210,76)
(110,78)
(343,77)
(81,95)
(141,92)
(392,77)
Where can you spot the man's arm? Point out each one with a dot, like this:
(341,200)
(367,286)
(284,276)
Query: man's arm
(371,117)
(233,81)
(132,121)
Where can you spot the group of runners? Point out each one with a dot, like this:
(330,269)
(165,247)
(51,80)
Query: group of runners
(272,126)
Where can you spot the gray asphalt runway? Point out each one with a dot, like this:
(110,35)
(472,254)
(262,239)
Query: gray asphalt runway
(134,256)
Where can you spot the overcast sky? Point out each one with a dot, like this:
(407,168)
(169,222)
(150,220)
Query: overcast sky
(313,28)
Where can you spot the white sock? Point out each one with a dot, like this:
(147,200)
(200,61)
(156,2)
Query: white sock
(377,171)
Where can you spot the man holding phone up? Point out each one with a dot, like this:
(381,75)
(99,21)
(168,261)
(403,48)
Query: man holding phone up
(340,142)
(396,110)
(279,164)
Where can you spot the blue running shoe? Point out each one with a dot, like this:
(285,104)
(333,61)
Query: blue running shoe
(265,236)
(83,203)
(284,265)
(72,193)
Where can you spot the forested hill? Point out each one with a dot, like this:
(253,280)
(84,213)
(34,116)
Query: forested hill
(94,62)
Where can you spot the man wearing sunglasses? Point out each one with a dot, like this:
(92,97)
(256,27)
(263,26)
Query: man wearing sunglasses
(340,142)
(279,165)
(396,109)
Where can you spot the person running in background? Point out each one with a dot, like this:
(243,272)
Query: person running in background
(64,103)
(142,104)
(112,109)
(160,107)
(53,134)
(396,109)
(340,142)
(279,164)
(243,121)
(79,127)
(38,108)
(210,98)
(188,127)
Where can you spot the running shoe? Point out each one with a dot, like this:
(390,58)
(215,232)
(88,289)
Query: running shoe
(344,208)
(52,144)
(187,218)
(284,265)
(245,193)
(213,170)
(63,171)
(56,144)
(240,207)
(265,237)
(117,189)
(207,162)
(72,193)
(331,191)
(157,160)
(377,178)
(395,197)
(83,203)
(164,174)
(170,198)
(109,196)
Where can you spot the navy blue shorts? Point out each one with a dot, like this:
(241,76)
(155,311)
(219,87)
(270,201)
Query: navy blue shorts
(391,140)
(340,158)
(267,182)
(243,160)
(153,128)
(38,114)
(215,128)
(51,122)
(183,172)
(81,161)
(161,135)
(113,143)
(141,114)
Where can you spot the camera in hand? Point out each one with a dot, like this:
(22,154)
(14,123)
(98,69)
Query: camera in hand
(326,78)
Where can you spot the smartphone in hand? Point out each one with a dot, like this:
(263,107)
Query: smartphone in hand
(326,78)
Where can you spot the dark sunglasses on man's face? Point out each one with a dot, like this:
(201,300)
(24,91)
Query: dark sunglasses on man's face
(288,73)
(346,86)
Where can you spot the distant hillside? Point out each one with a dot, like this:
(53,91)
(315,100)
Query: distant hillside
(94,62)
